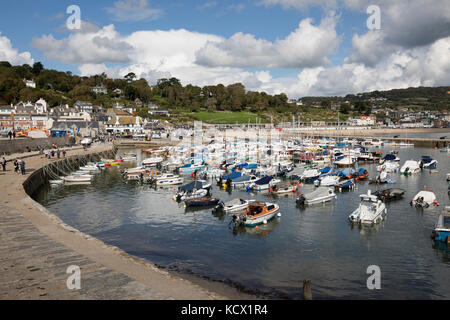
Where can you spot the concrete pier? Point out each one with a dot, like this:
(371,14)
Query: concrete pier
(36,248)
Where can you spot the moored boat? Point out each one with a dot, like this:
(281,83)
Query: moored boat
(234,205)
(370,211)
(424,199)
(320,195)
(202,202)
(441,231)
(257,213)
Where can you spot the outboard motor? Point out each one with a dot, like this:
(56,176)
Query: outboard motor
(219,207)
(300,200)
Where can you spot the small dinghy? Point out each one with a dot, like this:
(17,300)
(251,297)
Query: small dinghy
(256,213)
(389,194)
(320,195)
(234,205)
(424,199)
(78,178)
(193,190)
(371,210)
(202,202)
(441,231)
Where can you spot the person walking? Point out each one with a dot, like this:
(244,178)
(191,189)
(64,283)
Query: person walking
(16,165)
(64,153)
(53,153)
(4,164)
(14,134)
(22,166)
(58,152)
(10,134)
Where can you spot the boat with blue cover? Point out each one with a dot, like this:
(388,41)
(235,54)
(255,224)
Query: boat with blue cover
(428,163)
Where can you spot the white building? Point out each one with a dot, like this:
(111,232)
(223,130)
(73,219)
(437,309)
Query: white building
(30,83)
(100,89)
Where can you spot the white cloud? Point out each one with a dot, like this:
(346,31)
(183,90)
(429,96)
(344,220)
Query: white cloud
(8,53)
(307,46)
(90,69)
(103,45)
(133,10)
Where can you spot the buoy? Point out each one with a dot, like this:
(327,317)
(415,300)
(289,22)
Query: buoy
(256,227)
(435,203)
(265,221)
(278,214)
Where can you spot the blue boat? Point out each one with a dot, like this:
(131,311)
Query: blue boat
(441,231)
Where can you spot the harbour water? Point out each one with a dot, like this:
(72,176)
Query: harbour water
(315,243)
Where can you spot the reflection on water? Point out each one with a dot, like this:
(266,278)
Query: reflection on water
(316,242)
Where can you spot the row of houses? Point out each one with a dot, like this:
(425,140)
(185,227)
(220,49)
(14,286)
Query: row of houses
(83,117)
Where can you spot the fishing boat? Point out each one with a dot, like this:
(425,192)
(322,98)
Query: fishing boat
(319,195)
(441,231)
(234,205)
(428,163)
(201,202)
(168,179)
(410,166)
(257,213)
(389,194)
(231,176)
(264,183)
(371,210)
(424,199)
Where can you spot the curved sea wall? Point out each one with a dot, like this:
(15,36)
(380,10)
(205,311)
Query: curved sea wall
(39,248)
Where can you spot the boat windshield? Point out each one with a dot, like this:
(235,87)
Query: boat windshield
(255,210)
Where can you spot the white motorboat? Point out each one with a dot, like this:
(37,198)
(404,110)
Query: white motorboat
(234,205)
(410,166)
(168,179)
(424,199)
(328,181)
(371,210)
(56,181)
(319,195)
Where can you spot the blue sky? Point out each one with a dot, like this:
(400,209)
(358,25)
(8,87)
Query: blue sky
(313,58)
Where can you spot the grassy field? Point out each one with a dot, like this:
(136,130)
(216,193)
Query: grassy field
(226,117)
